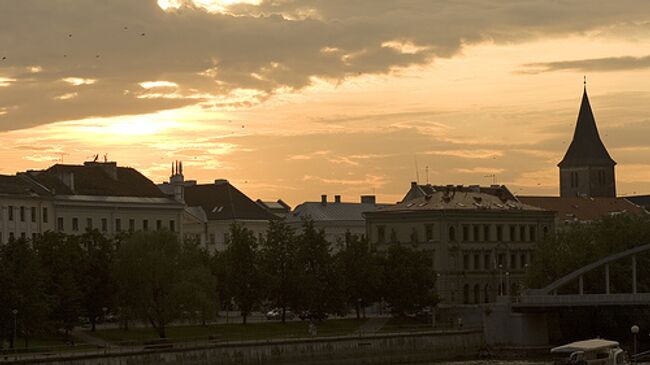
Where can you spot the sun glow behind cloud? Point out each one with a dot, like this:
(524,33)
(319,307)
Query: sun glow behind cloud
(215,6)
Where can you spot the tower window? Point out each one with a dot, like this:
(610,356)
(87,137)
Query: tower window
(574,179)
(601,177)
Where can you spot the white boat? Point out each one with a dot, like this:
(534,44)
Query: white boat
(591,352)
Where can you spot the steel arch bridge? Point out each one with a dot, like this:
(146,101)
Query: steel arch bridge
(548,297)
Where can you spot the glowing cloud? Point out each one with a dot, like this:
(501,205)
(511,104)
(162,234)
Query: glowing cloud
(77,81)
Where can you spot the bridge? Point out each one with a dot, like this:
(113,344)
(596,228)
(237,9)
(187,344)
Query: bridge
(548,296)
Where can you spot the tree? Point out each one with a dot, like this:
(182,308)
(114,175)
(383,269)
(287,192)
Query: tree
(153,277)
(278,256)
(197,282)
(407,280)
(577,245)
(242,269)
(98,286)
(360,272)
(62,258)
(319,283)
(21,288)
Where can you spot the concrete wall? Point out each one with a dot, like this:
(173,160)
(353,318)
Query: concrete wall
(503,327)
(372,349)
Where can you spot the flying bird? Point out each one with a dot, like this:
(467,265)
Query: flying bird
(4,58)
(70,35)
(142,35)
(126,28)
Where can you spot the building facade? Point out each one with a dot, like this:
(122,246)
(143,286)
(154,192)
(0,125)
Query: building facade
(336,218)
(480,240)
(74,198)
(587,169)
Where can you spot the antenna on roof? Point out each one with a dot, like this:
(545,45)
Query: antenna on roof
(106,157)
(427,169)
(417,172)
(494,178)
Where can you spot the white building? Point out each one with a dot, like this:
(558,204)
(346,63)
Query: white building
(336,218)
(73,198)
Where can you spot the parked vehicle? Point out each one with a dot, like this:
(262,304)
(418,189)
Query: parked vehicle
(276,314)
(316,315)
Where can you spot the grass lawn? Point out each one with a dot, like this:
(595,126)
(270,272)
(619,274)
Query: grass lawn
(232,332)
(404,324)
(53,343)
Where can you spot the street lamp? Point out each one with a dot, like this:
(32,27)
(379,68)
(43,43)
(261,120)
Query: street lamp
(15,313)
(635,331)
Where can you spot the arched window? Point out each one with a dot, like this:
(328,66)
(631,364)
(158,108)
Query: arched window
(477,294)
(466,294)
(452,234)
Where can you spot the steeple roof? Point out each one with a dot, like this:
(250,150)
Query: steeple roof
(586,149)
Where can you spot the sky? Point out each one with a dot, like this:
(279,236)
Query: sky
(291,99)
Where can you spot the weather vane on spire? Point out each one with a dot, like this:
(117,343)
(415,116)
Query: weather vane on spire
(585,80)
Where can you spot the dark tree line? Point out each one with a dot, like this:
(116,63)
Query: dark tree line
(56,280)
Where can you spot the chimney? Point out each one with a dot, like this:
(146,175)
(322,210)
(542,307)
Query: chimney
(177,180)
(323,199)
(220,181)
(414,184)
(337,198)
(368,199)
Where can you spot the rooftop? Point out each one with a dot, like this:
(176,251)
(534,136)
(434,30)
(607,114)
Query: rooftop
(582,209)
(223,201)
(335,211)
(463,198)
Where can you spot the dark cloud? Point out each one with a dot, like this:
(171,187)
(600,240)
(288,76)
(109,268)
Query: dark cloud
(591,65)
(276,44)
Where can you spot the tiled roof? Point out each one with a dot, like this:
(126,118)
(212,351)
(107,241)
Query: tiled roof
(222,201)
(93,179)
(464,198)
(15,185)
(586,147)
(332,211)
(582,209)
(418,191)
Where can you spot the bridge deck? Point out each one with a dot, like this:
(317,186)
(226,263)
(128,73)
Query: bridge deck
(584,300)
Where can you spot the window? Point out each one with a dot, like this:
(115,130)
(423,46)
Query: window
(1,241)
(601,177)
(532,233)
(500,260)
(33,214)
(45,216)
(545,230)
(574,179)
(486,232)
(23,236)
(476,233)
(465,262)
(104,225)
(465,233)
(393,235)
(10,212)
(499,233)
(415,237)
(513,236)
(486,262)
(131,225)
(466,294)
(212,238)
(172,225)
(75,224)
(34,235)
(89,224)
(118,225)
(158,225)
(226,237)
(513,261)
(381,234)
(59,224)
(522,233)
(523,260)
(145,225)
(452,234)
(428,229)
(22,214)
(11,236)
(477,262)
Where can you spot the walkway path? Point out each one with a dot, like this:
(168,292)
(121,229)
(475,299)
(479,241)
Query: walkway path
(372,325)
(90,339)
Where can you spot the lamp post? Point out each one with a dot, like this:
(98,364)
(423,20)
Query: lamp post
(15,313)
(635,331)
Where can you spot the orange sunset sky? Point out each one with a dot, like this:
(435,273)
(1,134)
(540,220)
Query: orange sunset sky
(296,98)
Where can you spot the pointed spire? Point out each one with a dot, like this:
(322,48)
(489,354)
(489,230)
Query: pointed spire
(586,147)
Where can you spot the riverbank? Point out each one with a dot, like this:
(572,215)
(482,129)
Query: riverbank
(360,349)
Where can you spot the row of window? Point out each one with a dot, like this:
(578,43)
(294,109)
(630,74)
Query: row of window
(477,294)
(485,261)
(472,233)
(11,212)
(12,236)
(103,225)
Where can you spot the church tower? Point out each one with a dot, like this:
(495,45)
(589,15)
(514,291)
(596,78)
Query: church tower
(587,169)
